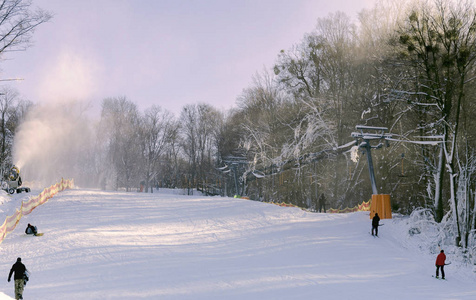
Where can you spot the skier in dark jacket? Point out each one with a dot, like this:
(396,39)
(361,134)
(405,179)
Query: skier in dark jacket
(440,263)
(375,221)
(322,203)
(20,272)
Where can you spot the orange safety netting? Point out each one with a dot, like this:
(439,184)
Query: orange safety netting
(28,206)
(365,206)
(284,204)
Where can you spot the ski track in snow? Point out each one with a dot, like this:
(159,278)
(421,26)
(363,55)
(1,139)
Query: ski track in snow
(117,245)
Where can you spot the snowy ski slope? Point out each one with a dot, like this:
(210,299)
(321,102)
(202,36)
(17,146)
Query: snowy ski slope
(117,245)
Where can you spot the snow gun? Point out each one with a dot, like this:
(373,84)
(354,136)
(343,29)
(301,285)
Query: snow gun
(12,182)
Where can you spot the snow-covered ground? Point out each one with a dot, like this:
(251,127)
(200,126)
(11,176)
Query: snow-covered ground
(117,245)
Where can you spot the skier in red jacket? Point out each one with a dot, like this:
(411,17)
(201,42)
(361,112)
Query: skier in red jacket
(440,263)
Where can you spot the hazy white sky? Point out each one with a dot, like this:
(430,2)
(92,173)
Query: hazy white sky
(165,52)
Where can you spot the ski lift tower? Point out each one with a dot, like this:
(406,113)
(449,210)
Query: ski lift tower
(363,139)
(236,163)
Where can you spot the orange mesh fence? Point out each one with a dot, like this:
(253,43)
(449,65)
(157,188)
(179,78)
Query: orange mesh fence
(284,204)
(365,206)
(28,206)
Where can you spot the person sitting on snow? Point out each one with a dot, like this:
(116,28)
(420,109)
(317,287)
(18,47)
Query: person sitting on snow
(30,229)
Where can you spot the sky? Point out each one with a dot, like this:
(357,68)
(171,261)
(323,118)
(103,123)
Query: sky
(169,53)
(168,246)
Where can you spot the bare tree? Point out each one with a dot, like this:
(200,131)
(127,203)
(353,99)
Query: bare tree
(7,101)
(156,132)
(18,21)
(120,128)
(12,111)
(171,164)
(198,125)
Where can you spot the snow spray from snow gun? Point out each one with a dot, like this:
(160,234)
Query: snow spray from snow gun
(51,142)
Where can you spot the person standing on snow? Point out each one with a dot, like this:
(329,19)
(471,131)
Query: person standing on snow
(375,221)
(440,263)
(322,203)
(20,272)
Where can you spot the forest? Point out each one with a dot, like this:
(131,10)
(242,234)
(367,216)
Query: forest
(398,82)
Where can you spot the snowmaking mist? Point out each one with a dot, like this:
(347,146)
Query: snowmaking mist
(50,143)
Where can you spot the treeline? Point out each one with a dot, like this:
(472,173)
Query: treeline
(409,67)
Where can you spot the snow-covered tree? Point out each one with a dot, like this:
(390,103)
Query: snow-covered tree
(440,45)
